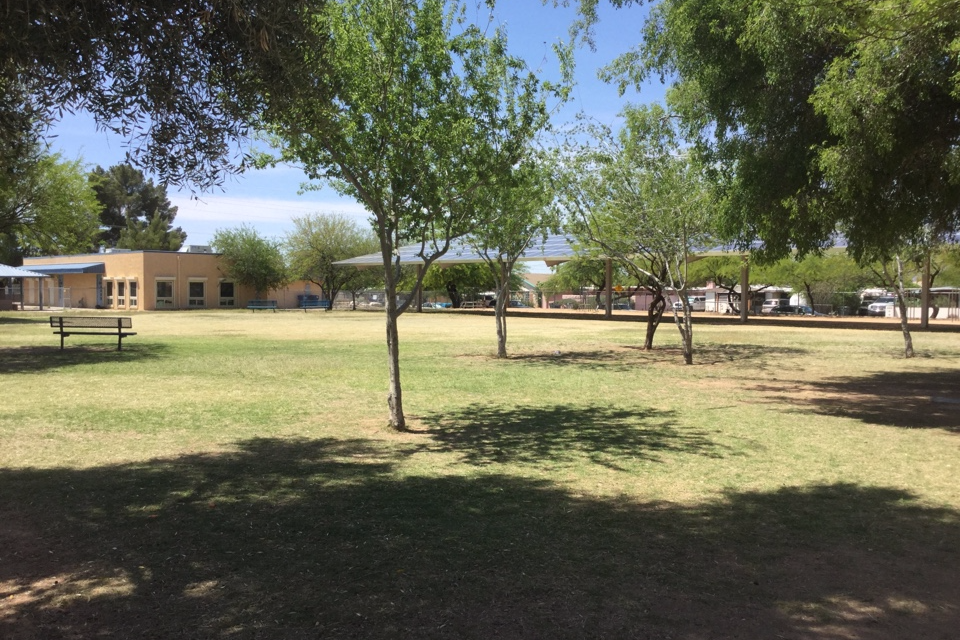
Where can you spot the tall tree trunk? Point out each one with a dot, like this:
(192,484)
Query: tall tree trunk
(902,304)
(685,327)
(394,395)
(500,310)
(654,316)
(687,335)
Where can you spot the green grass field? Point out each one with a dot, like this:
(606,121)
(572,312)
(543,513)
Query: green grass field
(230,475)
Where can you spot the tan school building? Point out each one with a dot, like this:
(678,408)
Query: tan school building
(146,281)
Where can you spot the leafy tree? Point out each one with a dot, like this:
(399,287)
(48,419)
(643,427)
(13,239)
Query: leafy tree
(251,260)
(136,213)
(428,111)
(643,203)
(318,241)
(21,160)
(21,150)
(815,115)
(363,280)
(182,81)
(724,273)
(459,280)
(521,213)
(821,277)
(584,272)
(891,273)
(47,207)
(576,274)
(946,268)
(154,234)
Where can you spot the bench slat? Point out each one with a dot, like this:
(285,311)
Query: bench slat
(88,322)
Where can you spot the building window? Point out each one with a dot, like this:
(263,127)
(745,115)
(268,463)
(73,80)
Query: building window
(121,294)
(164,294)
(133,294)
(195,293)
(228,297)
(108,292)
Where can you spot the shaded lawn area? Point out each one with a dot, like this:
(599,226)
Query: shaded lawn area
(323,538)
(913,400)
(229,476)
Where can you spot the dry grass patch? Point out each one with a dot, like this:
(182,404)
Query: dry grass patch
(230,475)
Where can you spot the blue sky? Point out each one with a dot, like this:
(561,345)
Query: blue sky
(268,199)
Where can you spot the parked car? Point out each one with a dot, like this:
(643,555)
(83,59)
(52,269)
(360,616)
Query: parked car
(879,306)
(518,305)
(783,310)
(771,304)
(794,310)
(809,311)
(697,303)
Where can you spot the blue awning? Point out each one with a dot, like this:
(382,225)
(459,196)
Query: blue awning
(61,269)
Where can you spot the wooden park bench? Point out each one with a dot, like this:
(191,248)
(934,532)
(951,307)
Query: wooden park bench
(262,305)
(92,326)
(314,303)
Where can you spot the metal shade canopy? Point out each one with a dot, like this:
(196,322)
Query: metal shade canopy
(7,271)
(554,250)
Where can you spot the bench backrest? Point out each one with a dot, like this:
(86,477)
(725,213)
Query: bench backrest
(91,322)
(262,303)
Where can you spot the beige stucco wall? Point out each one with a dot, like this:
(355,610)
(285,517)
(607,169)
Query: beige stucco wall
(144,269)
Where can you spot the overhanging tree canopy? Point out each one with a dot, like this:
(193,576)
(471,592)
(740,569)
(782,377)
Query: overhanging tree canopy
(183,80)
(816,115)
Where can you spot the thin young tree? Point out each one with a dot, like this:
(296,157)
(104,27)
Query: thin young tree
(642,202)
(522,210)
(429,111)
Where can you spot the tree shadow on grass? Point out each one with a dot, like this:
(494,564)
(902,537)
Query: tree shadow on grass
(631,356)
(44,321)
(327,539)
(758,356)
(484,434)
(914,400)
(40,359)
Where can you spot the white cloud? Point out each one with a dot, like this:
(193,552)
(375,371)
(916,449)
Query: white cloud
(202,216)
(229,209)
